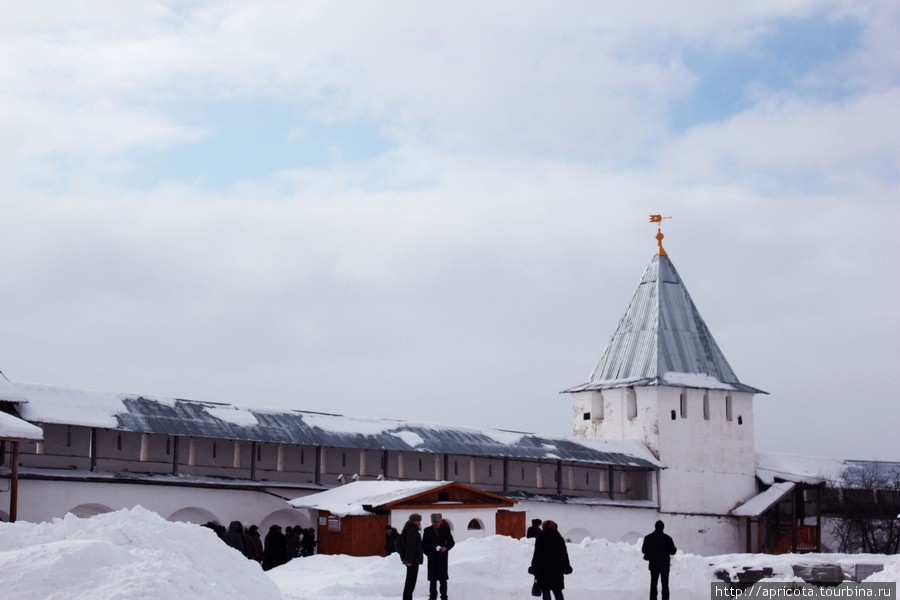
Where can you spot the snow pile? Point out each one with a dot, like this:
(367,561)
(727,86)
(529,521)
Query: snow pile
(137,555)
(891,570)
(125,555)
(493,567)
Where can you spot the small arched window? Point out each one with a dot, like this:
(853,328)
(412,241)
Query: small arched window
(474,524)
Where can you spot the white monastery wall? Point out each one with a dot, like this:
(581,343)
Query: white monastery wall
(698,534)
(458,518)
(44,500)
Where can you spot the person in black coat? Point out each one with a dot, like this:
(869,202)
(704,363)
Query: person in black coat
(275,551)
(437,540)
(390,540)
(550,562)
(308,542)
(658,548)
(292,539)
(409,547)
(534,530)
(234,537)
(253,548)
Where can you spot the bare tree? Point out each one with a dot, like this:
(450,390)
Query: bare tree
(866,509)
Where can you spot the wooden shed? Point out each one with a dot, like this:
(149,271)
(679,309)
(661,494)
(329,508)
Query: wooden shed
(352,518)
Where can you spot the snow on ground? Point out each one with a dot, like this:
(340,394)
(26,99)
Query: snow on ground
(494,567)
(135,554)
(125,555)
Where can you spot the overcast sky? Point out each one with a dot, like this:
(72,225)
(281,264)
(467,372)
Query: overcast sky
(439,211)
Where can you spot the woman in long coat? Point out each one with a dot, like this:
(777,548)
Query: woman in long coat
(550,562)
(253,548)
(275,551)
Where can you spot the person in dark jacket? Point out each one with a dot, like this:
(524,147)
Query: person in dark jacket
(658,548)
(308,542)
(534,530)
(390,540)
(409,547)
(234,537)
(550,562)
(253,548)
(275,551)
(437,540)
(217,527)
(292,539)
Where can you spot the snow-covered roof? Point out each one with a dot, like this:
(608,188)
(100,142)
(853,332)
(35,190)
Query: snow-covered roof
(12,428)
(170,416)
(763,501)
(10,392)
(663,340)
(351,499)
(799,469)
(876,474)
(358,497)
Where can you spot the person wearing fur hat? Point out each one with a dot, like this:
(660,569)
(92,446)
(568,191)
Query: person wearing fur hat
(437,540)
(409,547)
(534,530)
(550,561)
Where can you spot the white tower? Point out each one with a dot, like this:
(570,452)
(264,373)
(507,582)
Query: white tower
(663,381)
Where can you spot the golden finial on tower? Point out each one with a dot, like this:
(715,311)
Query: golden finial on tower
(659,235)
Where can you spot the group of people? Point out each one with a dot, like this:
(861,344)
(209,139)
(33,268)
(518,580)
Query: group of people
(549,563)
(435,543)
(279,547)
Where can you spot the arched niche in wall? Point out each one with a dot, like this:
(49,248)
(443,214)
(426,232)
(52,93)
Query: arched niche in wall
(285,517)
(632,537)
(89,510)
(193,514)
(577,535)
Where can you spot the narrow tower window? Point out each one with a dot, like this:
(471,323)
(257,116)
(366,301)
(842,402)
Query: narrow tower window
(683,402)
(728,407)
(631,402)
(596,406)
(706,405)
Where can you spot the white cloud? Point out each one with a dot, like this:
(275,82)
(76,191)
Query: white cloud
(478,267)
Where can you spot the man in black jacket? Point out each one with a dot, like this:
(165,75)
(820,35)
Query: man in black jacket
(658,548)
(534,530)
(437,540)
(409,546)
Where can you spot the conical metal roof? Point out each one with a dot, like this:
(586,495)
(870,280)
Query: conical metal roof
(662,340)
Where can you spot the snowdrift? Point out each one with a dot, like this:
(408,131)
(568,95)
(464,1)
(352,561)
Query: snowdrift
(136,554)
(490,568)
(125,555)
(497,567)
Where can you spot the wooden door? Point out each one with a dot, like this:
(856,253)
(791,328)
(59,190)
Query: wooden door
(511,523)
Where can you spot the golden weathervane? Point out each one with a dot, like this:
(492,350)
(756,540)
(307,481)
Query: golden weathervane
(659,235)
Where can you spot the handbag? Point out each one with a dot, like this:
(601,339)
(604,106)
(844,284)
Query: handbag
(536,589)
